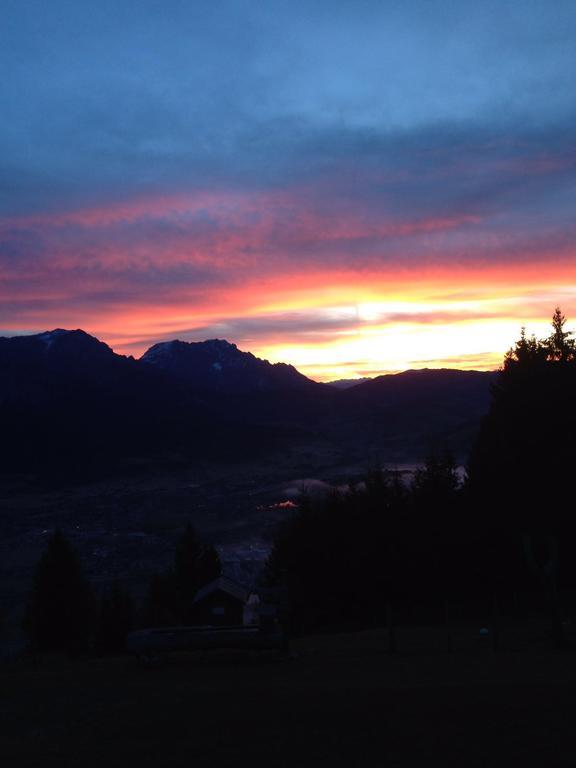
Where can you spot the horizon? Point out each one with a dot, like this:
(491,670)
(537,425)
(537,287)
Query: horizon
(364,191)
(201,341)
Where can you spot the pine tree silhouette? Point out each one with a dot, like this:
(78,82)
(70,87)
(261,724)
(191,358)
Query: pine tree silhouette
(60,611)
(522,462)
(559,346)
(195,564)
(170,596)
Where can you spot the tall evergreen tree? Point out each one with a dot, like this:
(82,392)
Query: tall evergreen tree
(436,532)
(171,594)
(526,355)
(527,442)
(559,345)
(196,563)
(60,611)
(522,461)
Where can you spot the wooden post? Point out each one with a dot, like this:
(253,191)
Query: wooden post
(494,623)
(284,614)
(515,604)
(449,644)
(557,624)
(392,647)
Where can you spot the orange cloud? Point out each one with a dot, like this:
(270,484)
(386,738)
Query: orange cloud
(285,280)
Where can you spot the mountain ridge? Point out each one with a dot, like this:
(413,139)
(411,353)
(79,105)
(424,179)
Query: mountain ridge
(67,397)
(218,365)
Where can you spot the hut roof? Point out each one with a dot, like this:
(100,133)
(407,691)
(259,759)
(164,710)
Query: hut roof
(223,584)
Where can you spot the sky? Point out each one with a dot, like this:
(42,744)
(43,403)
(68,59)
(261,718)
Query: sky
(351,186)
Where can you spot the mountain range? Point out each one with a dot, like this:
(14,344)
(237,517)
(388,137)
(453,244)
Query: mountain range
(67,399)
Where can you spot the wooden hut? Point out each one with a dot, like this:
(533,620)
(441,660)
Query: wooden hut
(222,602)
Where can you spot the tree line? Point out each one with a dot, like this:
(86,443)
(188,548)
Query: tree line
(64,614)
(504,537)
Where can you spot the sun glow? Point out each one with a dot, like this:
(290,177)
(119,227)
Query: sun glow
(283,282)
(388,337)
(387,349)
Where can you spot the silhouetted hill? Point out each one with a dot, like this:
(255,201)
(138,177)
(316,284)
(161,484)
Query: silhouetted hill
(405,415)
(427,383)
(47,367)
(347,383)
(66,399)
(218,366)
(68,403)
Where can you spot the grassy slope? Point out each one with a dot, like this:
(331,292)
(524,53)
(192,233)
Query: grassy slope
(341,703)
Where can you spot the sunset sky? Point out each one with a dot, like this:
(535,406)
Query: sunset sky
(354,186)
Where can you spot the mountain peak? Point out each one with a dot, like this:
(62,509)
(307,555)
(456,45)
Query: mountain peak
(218,365)
(58,338)
(61,334)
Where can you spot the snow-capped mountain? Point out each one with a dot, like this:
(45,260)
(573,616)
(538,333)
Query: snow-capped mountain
(219,366)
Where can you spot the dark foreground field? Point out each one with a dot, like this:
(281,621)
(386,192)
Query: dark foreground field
(342,702)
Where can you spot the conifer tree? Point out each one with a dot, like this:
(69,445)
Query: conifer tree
(526,354)
(560,346)
(522,461)
(60,611)
(195,564)
(171,594)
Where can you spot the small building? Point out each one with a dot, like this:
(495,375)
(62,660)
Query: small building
(223,602)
